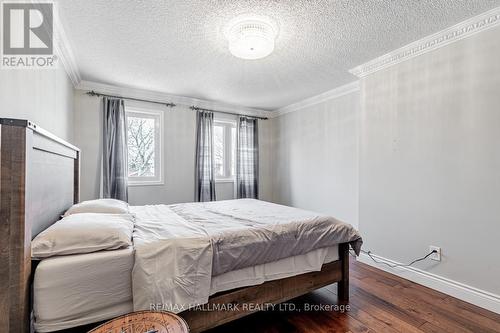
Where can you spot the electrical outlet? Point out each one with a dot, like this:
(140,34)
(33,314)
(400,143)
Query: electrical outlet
(436,255)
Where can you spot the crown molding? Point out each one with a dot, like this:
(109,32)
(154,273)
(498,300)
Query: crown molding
(328,95)
(63,50)
(165,97)
(427,44)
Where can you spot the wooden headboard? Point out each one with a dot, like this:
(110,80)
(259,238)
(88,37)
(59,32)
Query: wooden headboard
(39,180)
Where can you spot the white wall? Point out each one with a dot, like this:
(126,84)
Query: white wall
(430,160)
(44,96)
(179,154)
(424,134)
(316,158)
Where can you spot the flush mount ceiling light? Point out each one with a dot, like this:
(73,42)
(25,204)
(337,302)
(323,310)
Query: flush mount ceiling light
(251,36)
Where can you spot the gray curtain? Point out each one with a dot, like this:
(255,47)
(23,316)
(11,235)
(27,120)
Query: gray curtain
(114,150)
(247,158)
(205,173)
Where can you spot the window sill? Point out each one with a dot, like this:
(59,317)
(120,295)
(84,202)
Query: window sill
(145,183)
(225,180)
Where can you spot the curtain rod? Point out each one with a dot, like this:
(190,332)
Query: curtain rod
(195,108)
(93,93)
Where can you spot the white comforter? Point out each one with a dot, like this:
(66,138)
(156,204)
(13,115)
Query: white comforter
(178,248)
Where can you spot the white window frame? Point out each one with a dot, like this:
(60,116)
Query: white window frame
(228,125)
(157,115)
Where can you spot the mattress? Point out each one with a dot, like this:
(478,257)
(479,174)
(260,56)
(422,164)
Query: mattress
(73,290)
(80,289)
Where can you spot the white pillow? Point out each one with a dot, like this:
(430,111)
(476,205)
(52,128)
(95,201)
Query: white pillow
(84,233)
(103,206)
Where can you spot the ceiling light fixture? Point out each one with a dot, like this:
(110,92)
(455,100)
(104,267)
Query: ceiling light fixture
(251,36)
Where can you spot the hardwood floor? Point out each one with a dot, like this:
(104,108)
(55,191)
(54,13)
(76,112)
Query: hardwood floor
(380,302)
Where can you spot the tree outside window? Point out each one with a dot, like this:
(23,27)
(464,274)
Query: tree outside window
(144,133)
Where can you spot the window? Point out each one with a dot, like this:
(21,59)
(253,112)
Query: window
(144,141)
(225,150)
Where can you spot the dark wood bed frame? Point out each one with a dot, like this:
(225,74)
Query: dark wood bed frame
(39,180)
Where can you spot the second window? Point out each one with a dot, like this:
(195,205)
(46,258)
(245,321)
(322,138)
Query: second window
(225,150)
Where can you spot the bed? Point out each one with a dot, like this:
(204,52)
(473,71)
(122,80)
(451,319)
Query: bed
(40,180)
(86,288)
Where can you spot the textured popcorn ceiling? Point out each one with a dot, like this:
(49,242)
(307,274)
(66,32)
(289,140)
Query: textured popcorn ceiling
(177,47)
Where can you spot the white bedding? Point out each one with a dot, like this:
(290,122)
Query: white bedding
(171,262)
(178,248)
(80,289)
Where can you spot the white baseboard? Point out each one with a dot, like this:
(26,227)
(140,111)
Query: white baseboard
(456,289)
